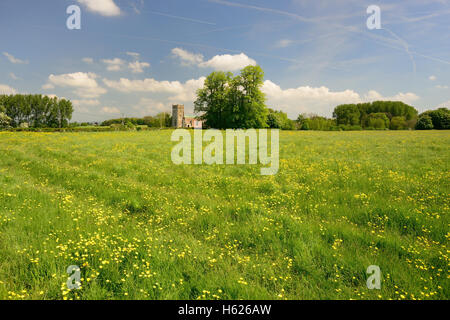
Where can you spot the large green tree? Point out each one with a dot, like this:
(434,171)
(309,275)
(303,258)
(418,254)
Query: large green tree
(347,114)
(233,102)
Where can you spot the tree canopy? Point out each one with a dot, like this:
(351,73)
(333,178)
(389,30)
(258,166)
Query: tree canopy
(440,119)
(279,120)
(228,101)
(162,119)
(376,115)
(37,110)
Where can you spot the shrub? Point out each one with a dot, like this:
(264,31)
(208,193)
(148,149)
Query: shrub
(305,125)
(279,120)
(4,120)
(378,121)
(440,118)
(424,123)
(398,123)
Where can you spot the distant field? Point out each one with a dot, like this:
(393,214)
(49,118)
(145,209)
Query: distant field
(142,228)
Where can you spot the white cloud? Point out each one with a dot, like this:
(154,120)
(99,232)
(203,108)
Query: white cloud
(226,62)
(189,90)
(138,67)
(113,64)
(180,92)
(441,87)
(103,7)
(13,59)
(85,84)
(432,78)
(146,85)
(186,57)
(110,110)
(5,89)
(78,79)
(306,99)
(88,60)
(320,100)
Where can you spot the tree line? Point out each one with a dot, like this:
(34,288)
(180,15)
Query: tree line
(232,102)
(162,119)
(394,115)
(36,111)
(228,101)
(434,119)
(379,115)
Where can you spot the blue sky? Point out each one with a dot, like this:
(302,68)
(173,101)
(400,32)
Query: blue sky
(137,57)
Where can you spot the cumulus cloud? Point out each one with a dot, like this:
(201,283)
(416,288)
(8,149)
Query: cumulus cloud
(180,92)
(85,84)
(307,99)
(186,57)
(5,89)
(320,100)
(138,67)
(13,59)
(88,60)
(189,90)
(432,78)
(304,99)
(105,8)
(146,85)
(225,62)
(113,64)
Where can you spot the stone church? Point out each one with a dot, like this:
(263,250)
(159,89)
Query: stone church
(180,120)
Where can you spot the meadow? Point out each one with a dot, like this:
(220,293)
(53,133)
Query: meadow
(140,227)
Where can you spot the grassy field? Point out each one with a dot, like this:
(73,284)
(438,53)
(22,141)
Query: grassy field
(142,228)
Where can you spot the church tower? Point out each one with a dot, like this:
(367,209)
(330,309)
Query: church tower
(177,115)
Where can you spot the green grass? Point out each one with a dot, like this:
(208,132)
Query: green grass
(142,228)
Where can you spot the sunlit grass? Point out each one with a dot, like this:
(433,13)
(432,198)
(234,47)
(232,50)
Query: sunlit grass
(142,228)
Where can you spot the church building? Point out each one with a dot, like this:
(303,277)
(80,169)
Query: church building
(180,120)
